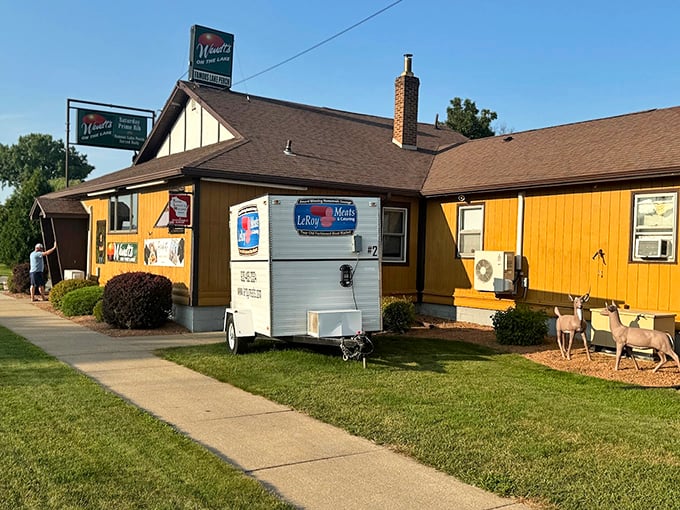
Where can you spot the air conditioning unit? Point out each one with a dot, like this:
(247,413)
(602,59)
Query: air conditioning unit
(74,274)
(653,248)
(494,271)
(333,323)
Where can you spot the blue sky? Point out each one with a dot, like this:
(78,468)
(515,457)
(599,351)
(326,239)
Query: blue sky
(535,63)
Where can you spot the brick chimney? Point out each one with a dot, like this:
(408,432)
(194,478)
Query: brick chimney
(405,133)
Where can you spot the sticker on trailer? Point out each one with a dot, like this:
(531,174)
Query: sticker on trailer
(325,217)
(248,230)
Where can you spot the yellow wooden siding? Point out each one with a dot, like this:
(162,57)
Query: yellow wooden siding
(400,279)
(150,208)
(449,279)
(562,232)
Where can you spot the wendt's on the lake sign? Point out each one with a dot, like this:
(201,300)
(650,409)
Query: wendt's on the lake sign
(211,57)
(114,130)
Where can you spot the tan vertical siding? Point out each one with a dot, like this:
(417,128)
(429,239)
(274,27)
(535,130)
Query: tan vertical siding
(213,271)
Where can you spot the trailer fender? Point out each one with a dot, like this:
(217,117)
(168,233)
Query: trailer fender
(243,322)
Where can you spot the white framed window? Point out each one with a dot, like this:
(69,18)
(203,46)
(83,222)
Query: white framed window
(123,212)
(470,229)
(655,226)
(394,230)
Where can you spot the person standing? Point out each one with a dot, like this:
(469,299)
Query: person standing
(37,270)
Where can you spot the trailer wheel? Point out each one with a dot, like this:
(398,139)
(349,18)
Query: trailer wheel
(233,342)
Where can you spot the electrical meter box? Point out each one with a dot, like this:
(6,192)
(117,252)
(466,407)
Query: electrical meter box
(305,265)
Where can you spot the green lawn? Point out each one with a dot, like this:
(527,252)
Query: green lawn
(4,270)
(68,443)
(498,421)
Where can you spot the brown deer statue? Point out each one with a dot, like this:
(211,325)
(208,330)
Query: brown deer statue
(572,324)
(625,338)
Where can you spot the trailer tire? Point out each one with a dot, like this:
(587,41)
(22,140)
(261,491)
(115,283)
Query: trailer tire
(234,344)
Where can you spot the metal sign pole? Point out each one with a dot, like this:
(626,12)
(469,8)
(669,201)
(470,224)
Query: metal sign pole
(68,125)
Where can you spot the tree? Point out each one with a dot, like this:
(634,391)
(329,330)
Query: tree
(465,117)
(18,233)
(40,152)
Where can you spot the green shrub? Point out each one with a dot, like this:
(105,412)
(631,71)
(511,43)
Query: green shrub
(20,281)
(10,284)
(64,287)
(81,301)
(137,300)
(399,313)
(98,310)
(520,326)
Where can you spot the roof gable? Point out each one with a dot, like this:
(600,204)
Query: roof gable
(330,148)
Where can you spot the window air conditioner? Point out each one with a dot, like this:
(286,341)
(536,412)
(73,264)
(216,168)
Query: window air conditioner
(494,271)
(651,248)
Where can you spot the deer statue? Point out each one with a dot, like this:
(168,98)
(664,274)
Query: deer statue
(625,338)
(572,324)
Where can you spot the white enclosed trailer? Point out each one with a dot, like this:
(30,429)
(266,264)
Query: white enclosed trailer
(305,269)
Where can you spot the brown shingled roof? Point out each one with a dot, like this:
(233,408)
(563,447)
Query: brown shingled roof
(634,146)
(57,208)
(332,148)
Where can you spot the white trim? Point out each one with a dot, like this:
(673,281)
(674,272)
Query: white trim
(146,184)
(104,192)
(403,236)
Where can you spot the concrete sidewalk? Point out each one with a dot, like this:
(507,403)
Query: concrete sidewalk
(308,463)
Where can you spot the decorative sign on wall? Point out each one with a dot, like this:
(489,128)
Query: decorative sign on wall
(164,252)
(179,209)
(101,241)
(121,252)
(211,55)
(114,130)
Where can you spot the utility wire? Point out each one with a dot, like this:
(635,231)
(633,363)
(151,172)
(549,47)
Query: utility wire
(321,43)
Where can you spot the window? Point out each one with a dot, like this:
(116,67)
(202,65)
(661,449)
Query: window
(654,226)
(394,234)
(123,213)
(470,229)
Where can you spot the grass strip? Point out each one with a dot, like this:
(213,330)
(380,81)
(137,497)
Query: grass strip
(68,443)
(498,421)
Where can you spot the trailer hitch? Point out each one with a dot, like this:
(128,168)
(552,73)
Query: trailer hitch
(356,348)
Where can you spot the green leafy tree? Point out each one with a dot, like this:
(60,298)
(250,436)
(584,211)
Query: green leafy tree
(40,152)
(465,117)
(18,233)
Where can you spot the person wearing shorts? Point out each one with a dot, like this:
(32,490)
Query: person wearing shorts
(37,270)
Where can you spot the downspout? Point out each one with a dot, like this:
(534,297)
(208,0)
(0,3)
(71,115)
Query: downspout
(519,245)
(420,254)
(195,231)
(89,243)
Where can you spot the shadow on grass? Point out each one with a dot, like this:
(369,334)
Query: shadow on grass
(424,354)
(392,351)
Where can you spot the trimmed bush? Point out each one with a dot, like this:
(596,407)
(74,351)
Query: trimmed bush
(20,282)
(137,300)
(98,310)
(520,326)
(10,284)
(62,288)
(399,314)
(81,301)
